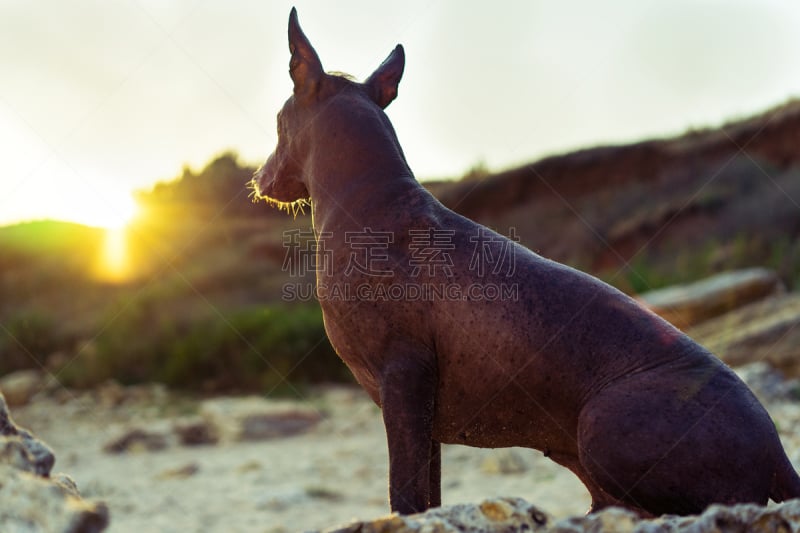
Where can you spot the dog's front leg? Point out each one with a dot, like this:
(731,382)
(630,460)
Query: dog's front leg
(408,390)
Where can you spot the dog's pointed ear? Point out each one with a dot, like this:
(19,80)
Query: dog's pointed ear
(305,68)
(382,84)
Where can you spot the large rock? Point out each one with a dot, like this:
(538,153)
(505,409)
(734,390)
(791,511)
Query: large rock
(498,514)
(37,457)
(20,386)
(31,500)
(764,331)
(688,305)
(255,418)
(29,503)
(514,514)
(716,519)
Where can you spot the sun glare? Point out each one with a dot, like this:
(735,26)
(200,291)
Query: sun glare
(114,264)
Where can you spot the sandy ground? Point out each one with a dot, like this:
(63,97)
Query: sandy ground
(333,474)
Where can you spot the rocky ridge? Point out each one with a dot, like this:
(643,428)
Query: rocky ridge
(514,514)
(31,499)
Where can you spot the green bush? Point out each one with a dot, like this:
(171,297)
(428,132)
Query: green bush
(257,349)
(26,339)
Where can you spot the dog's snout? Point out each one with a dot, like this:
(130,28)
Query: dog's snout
(265,175)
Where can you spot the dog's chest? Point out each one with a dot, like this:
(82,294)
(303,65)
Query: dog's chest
(355,342)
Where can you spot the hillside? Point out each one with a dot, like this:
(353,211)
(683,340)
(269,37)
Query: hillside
(707,200)
(772,137)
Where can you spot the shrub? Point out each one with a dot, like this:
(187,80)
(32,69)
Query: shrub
(26,339)
(254,349)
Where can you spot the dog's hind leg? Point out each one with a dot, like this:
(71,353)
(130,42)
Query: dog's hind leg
(600,498)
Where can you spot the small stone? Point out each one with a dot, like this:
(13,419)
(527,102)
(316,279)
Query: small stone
(249,466)
(495,510)
(255,418)
(181,472)
(110,393)
(66,483)
(194,431)
(323,493)
(136,440)
(504,461)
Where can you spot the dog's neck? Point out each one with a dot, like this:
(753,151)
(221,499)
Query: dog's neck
(357,169)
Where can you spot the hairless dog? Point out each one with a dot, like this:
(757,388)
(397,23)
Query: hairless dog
(463,336)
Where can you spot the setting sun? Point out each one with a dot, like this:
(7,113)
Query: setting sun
(114,263)
(114,214)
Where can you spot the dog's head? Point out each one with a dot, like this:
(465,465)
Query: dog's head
(283,179)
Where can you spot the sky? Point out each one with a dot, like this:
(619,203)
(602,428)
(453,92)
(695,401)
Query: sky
(100,98)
